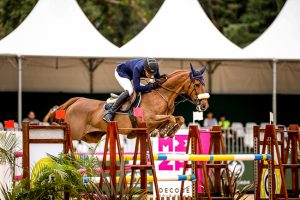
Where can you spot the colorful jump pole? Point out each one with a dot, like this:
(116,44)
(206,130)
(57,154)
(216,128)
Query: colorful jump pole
(190,177)
(194,157)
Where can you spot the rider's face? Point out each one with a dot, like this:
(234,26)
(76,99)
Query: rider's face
(148,75)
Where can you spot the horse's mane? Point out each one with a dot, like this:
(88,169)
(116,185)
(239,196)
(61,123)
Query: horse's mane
(171,76)
(176,72)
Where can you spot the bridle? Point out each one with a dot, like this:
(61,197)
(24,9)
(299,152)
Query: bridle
(199,96)
(196,101)
(187,96)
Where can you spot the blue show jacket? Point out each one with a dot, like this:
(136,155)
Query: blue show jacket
(134,70)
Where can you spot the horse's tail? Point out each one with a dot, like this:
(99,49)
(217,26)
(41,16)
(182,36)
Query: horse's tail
(64,106)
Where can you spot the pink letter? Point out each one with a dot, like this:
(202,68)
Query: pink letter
(178,165)
(182,139)
(164,165)
(165,142)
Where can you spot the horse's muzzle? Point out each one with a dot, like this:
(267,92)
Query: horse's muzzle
(203,106)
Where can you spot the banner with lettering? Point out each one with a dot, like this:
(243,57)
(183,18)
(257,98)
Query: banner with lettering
(165,169)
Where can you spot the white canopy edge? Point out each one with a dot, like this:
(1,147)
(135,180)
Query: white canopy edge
(56,28)
(181,30)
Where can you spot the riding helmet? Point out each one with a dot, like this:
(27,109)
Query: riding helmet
(151,66)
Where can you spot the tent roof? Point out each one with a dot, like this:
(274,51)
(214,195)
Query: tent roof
(57,28)
(282,39)
(181,30)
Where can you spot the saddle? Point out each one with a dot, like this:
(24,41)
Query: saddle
(132,102)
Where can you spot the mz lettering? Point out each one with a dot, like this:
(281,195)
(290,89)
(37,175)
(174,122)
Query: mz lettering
(173,145)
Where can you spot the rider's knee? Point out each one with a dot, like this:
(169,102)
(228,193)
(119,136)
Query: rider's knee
(130,91)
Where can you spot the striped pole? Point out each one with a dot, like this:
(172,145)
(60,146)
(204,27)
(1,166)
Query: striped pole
(189,177)
(194,157)
(182,157)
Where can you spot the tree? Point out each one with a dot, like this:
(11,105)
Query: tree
(244,20)
(120,20)
(12,13)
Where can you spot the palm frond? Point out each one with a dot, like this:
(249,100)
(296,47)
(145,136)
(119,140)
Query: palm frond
(7,195)
(8,146)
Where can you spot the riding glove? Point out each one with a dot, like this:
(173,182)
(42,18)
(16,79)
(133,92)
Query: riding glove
(163,76)
(156,84)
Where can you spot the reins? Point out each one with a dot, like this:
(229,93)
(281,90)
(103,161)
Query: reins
(183,96)
(178,94)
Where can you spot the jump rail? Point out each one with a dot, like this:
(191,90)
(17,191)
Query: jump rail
(195,157)
(190,177)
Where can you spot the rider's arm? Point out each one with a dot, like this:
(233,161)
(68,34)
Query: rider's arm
(137,82)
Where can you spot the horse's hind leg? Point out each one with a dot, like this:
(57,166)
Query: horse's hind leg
(93,137)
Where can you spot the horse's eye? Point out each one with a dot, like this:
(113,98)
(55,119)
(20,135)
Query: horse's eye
(197,85)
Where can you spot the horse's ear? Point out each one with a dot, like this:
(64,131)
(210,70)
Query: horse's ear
(202,70)
(192,69)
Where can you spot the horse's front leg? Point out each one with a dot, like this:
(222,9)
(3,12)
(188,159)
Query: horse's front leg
(167,125)
(170,129)
(179,122)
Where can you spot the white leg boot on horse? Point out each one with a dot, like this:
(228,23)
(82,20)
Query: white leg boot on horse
(110,114)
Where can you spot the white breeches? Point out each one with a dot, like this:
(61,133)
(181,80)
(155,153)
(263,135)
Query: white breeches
(125,83)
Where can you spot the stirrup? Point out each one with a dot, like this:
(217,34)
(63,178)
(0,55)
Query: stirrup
(106,119)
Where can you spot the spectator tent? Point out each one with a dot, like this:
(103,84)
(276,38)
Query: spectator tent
(181,32)
(278,48)
(56,48)
(56,44)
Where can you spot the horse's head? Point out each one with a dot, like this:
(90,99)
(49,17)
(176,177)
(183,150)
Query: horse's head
(195,89)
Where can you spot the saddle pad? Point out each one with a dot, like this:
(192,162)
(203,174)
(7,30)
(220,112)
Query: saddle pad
(135,104)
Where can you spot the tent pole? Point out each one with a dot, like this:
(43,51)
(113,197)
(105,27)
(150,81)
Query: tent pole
(211,68)
(19,90)
(91,75)
(209,74)
(274,94)
(92,64)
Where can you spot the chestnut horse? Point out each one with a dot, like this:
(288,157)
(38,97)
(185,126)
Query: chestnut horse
(85,115)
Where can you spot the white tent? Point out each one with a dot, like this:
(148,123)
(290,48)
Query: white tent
(181,30)
(281,41)
(181,33)
(280,45)
(55,35)
(56,28)
(56,40)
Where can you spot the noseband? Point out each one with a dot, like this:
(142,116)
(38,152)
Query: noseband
(199,96)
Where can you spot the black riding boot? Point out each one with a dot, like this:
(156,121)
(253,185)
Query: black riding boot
(111,112)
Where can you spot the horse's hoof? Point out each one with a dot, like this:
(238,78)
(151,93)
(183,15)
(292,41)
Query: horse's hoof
(131,135)
(154,133)
(172,135)
(172,131)
(163,134)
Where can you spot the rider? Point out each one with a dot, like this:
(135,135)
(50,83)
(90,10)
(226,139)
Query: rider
(133,70)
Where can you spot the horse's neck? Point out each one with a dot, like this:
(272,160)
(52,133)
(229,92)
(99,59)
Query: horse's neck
(176,81)
(175,84)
